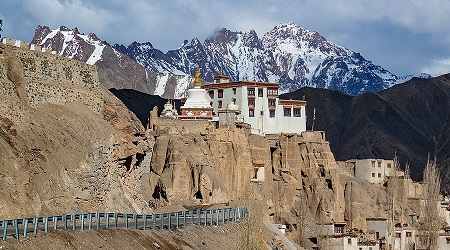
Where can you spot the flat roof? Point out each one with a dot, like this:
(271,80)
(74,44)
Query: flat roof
(239,84)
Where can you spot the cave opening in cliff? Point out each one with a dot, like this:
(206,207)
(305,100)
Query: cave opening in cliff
(128,161)
(198,195)
(322,172)
(272,151)
(159,193)
(329,184)
(139,159)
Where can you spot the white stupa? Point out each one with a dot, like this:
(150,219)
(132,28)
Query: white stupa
(198,102)
(169,110)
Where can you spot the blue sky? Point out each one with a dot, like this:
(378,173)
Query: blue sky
(403,36)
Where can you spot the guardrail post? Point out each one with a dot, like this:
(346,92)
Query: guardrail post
(191,213)
(64,218)
(25,227)
(169,222)
(74,221)
(46,224)
(36,225)
(82,222)
(217,212)
(184,218)
(228,212)
(55,222)
(222,211)
(177,220)
(5,229)
(126,220)
(234,214)
(135,221)
(161,218)
(16,224)
(89,221)
(98,220)
(199,217)
(115,220)
(205,213)
(212,216)
(144,217)
(153,221)
(107,220)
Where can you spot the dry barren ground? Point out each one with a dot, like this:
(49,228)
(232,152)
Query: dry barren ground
(192,237)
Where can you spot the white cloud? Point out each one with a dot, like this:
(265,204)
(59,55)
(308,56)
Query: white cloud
(71,13)
(438,67)
(376,29)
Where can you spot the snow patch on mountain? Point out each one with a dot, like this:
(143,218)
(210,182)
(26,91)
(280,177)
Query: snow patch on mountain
(184,82)
(97,54)
(161,82)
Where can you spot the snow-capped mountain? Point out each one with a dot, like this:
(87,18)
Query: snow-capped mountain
(288,54)
(115,69)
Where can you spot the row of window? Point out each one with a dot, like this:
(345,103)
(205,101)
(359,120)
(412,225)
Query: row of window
(379,175)
(388,165)
(250,92)
(287,112)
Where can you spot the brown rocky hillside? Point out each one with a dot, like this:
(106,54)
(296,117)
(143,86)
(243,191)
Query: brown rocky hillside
(67,145)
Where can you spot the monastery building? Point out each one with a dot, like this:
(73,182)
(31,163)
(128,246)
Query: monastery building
(258,105)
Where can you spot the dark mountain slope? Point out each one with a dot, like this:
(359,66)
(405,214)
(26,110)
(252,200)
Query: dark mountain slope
(140,103)
(412,118)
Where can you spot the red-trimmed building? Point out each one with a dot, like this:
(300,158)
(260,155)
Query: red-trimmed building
(259,105)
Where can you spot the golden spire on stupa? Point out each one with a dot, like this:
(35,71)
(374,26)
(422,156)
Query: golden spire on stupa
(197,78)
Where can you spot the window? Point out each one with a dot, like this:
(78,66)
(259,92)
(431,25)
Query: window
(251,113)
(287,112)
(408,234)
(219,103)
(271,113)
(260,92)
(373,164)
(297,112)
(339,229)
(349,241)
(397,235)
(379,175)
(251,102)
(379,164)
(234,91)
(389,165)
(220,93)
(272,92)
(251,91)
(258,172)
(211,93)
(373,174)
(272,103)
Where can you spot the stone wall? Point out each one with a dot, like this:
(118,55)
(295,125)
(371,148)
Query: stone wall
(45,78)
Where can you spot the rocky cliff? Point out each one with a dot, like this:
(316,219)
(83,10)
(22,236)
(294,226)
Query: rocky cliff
(197,164)
(67,144)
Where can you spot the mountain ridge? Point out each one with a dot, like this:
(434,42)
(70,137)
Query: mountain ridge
(288,54)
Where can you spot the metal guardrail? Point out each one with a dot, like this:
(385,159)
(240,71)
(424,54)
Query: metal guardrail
(92,221)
